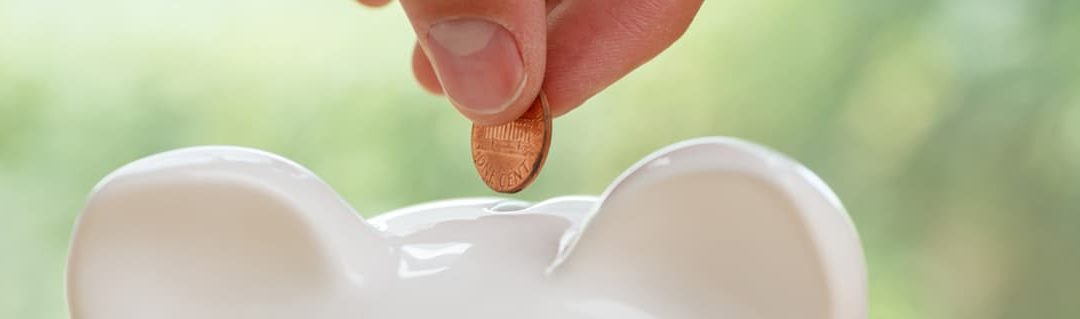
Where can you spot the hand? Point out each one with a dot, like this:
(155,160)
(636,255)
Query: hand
(491,57)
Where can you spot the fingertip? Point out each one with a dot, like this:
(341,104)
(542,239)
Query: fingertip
(429,80)
(424,72)
(558,103)
(511,113)
(486,56)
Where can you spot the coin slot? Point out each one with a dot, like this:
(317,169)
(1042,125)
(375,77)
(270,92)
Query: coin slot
(509,206)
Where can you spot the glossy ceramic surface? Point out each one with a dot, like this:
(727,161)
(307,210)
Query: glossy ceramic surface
(709,228)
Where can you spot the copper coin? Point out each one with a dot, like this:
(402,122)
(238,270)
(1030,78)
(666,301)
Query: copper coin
(509,156)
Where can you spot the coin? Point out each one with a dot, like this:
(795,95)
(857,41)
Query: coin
(509,156)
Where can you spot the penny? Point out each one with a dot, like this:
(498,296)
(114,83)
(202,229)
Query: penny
(509,156)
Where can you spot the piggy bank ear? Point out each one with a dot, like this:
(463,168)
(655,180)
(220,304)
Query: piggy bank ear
(718,228)
(216,233)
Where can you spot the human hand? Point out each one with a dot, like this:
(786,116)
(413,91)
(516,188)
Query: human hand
(492,57)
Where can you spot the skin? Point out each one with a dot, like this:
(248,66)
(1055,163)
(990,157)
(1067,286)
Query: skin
(561,43)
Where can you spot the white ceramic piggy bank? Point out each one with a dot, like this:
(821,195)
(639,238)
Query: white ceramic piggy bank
(710,228)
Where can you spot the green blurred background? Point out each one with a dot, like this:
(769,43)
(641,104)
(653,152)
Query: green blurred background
(951,129)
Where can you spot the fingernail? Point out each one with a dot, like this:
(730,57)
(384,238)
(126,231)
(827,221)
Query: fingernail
(478,63)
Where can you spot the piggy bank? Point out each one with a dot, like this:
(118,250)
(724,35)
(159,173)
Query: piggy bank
(708,228)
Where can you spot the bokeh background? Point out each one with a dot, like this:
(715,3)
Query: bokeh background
(950,128)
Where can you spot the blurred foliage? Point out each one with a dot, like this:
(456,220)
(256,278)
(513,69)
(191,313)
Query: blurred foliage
(951,129)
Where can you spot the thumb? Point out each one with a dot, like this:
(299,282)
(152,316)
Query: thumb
(488,55)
